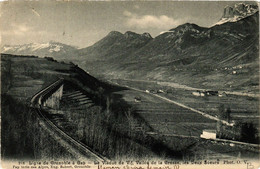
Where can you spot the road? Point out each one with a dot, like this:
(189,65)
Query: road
(82,151)
(193,110)
(185,87)
(182,105)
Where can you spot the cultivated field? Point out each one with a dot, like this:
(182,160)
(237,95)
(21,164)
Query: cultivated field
(114,121)
(181,127)
(243,108)
(167,118)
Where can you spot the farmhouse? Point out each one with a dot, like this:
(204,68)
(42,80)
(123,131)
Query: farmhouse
(209,134)
(198,93)
(160,91)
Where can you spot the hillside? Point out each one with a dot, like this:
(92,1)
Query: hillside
(224,56)
(22,135)
(132,95)
(115,45)
(221,57)
(101,123)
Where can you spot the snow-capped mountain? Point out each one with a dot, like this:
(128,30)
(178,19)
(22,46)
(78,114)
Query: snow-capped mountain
(237,12)
(39,49)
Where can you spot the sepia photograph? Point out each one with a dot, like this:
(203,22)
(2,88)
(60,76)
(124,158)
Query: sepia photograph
(129,84)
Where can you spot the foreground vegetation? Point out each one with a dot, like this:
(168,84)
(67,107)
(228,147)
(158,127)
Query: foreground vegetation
(21,135)
(111,127)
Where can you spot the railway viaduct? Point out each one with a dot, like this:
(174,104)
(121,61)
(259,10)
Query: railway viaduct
(51,97)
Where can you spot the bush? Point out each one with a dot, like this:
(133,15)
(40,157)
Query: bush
(245,132)
(249,133)
(50,59)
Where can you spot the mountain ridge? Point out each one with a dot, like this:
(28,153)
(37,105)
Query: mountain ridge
(187,54)
(191,54)
(115,44)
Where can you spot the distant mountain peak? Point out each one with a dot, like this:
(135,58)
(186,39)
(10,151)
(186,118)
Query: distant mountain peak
(237,12)
(130,34)
(147,35)
(115,33)
(187,27)
(39,49)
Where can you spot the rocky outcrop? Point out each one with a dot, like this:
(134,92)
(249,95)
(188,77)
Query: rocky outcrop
(237,12)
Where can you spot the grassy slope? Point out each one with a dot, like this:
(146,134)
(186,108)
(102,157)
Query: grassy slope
(21,78)
(206,59)
(21,137)
(24,76)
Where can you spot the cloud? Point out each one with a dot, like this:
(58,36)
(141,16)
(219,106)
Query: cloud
(21,30)
(150,21)
(16,29)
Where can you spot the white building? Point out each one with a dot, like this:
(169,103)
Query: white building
(209,134)
(198,93)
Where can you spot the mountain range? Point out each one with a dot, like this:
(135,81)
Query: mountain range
(224,56)
(52,48)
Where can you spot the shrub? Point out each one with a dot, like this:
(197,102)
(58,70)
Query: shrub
(249,132)
(50,59)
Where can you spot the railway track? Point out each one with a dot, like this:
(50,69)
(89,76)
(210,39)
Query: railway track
(84,151)
(80,150)
(44,91)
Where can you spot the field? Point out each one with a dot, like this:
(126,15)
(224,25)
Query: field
(115,121)
(243,108)
(181,127)
(167,118)
(22,77)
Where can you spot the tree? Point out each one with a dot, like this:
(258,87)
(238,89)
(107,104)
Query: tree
(248,133)
(224,113)
(227,114)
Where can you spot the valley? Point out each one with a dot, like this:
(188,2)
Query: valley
(190,93)
(153,127)
(241,105)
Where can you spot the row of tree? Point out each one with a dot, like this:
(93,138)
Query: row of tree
(240,131)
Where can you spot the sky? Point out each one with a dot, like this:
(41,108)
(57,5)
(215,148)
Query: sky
(82,23)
